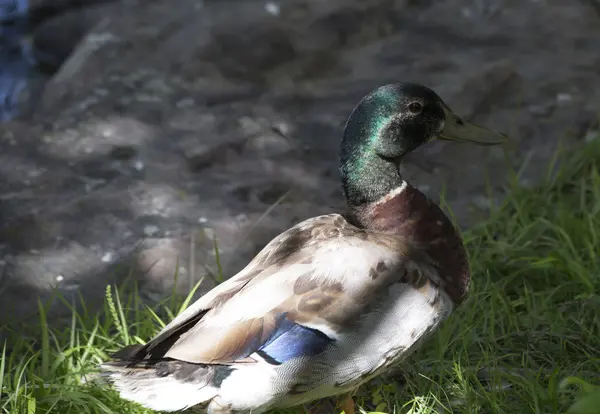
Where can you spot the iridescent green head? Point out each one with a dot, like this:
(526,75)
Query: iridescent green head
(387,124)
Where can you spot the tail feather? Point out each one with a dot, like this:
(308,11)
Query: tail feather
(166,385)
(128,352)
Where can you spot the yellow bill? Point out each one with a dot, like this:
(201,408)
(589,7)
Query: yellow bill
(458,130)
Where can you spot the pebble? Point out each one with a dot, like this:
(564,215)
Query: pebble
(482,202)
(151,230)
(272,8)
(107,257)
(564,97)
(591,135)
(185,103)
(138,165)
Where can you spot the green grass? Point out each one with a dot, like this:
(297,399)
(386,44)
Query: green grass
(526,341)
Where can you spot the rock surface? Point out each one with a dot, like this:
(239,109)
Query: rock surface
(176,123)
(57,35)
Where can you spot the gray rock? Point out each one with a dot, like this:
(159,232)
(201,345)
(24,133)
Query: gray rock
(221,121)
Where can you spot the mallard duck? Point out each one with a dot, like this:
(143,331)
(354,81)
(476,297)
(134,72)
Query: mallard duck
(332,302)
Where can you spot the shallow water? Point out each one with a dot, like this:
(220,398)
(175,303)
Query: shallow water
(16,59)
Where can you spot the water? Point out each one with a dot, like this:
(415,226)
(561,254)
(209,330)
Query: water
(16,58)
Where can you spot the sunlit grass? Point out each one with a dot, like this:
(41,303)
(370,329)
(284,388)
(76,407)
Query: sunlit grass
(526,341)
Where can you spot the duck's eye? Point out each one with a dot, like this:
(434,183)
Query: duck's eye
(415,107)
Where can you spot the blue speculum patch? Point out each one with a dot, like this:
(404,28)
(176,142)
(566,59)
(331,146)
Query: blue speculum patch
(16,60)
(291,340)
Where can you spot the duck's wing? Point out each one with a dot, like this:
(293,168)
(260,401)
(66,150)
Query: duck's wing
(299,294)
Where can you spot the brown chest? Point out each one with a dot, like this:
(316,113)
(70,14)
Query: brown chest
(410,214)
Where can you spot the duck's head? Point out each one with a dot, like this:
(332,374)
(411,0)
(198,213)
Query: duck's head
(387,124)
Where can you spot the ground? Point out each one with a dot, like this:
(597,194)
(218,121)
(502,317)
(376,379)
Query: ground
(175,125)
(525,340)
